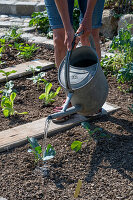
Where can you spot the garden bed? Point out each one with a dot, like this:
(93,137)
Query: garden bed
(104,165)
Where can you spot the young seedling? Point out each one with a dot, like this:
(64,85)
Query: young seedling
(36,149)
(7,104)
(3,47)
(38,79)
(8,89)
(6,74)
(76,145)
(26,51)
(13,35)
(48,97)
(34,69)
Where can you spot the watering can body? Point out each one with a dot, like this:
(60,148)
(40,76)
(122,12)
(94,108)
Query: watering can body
(87,80)
(81,75)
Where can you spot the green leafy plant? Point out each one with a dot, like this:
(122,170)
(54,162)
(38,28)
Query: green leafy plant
(77,145)
(125,74)
(121,64)
(7,104)
(112,64)
(36,149)
(8,89)
(48,97)
(6,74)
(26,51)
(49,153)
(2,47)
(34,69)
(40,20)
(13,35)
(38,79)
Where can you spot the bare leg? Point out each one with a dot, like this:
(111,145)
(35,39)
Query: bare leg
(59,47)
(95,34)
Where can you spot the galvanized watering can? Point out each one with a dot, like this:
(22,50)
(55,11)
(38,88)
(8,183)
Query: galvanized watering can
(81,75)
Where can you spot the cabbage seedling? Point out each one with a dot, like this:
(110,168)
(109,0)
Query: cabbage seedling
(8,89)
(34,69)
(48,96)
(38,79)
(36,149)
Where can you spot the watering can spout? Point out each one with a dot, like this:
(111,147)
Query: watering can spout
(69,111)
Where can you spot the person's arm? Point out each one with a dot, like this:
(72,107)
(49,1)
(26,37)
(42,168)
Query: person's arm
(62,6)
(86,24)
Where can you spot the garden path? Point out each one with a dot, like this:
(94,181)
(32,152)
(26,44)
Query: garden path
(18,135)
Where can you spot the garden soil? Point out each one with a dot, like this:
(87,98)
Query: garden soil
(104,164)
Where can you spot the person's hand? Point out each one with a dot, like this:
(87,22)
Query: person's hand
(69,36)
(86,28)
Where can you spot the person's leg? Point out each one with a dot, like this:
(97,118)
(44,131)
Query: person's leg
(58,29)
(59,47)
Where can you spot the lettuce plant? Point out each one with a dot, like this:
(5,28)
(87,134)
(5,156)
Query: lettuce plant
(7,104)
(48,97)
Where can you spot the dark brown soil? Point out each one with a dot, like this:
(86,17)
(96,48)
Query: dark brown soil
(10,57)
(105,165)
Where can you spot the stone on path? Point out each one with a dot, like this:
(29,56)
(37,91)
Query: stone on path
(18,135)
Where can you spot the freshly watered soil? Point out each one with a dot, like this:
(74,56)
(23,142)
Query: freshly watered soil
(104,164)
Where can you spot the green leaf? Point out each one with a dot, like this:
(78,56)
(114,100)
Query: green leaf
(49,153)
(33,142)
(42,96)
(48,88)
(12,96)
(6,112)
(38,149)
(76,145)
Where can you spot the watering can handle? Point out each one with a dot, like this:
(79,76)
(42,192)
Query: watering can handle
(68,56)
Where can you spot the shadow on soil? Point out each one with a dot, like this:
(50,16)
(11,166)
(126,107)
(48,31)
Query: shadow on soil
(117,151)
